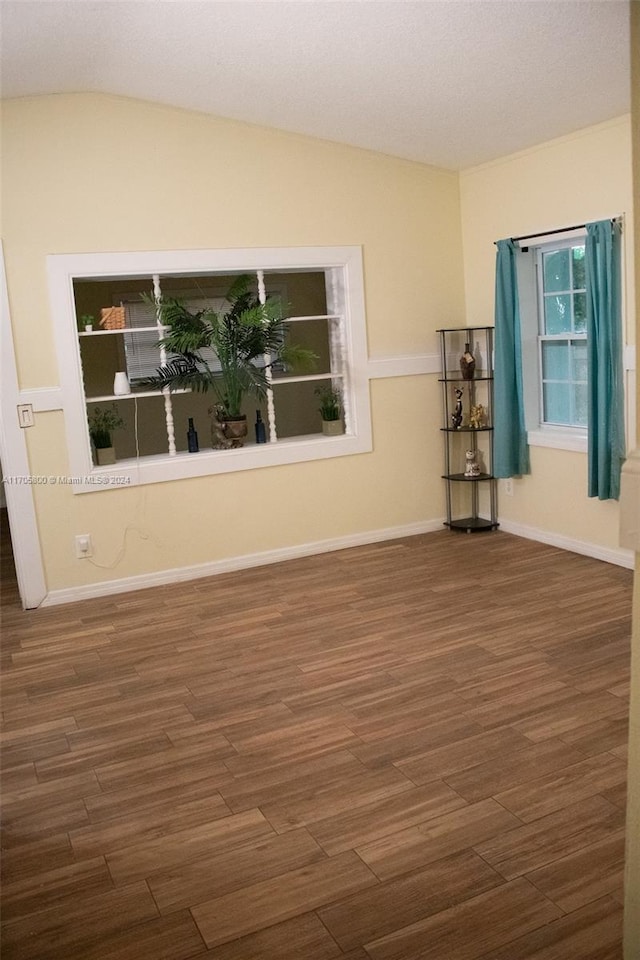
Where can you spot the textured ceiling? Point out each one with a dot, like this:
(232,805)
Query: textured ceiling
(448,82)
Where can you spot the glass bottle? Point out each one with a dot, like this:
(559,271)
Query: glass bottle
(261,433)
(192,438)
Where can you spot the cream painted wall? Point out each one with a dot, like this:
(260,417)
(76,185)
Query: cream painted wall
(572,180)
(92,173)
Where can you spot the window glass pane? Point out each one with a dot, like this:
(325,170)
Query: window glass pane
(556,270)
(303,293)
(580,312)
(142,354)
(144,430)
(563,361)
(580,404)
(296,406)
(311,335)
(557,403)
(579,360)
(557,314)
(577,255)
(555,360)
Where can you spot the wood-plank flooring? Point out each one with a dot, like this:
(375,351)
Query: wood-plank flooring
(414,750)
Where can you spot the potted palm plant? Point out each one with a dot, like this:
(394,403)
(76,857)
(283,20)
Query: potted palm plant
(246,340)
(102,422)
(330,410)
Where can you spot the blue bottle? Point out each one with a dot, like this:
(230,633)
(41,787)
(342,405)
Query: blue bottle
(192,438)
(261,433)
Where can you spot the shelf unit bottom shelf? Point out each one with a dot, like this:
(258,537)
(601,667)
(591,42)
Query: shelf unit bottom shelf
(472,525)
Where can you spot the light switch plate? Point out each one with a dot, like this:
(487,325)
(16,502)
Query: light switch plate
(25,415)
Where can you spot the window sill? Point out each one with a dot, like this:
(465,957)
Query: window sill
(558,439)
(158,469)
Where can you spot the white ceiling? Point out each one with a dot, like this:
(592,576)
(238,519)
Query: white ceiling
(448,82)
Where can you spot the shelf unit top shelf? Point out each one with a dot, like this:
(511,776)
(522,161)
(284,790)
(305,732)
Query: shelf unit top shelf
(156,328)
(462,329)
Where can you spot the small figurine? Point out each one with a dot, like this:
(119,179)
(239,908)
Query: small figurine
(456,416)
(472,467)
(477,416)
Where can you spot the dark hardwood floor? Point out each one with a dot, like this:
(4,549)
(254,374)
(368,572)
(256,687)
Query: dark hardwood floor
(411,750)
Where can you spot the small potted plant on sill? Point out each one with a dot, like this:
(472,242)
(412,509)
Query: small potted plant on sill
(330,410)
(241,338)
(85,323)
(102,422)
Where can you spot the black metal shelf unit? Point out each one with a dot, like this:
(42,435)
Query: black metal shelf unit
(467,430)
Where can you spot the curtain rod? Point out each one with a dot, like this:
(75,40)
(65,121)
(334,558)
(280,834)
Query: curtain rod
(550,233)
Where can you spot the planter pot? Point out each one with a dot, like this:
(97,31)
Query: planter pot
(105,456)
(227,433)
(332,428)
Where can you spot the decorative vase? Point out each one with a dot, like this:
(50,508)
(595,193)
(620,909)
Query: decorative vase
(467,363)
(105,456)
(121,385)
(227,433)
(332,428)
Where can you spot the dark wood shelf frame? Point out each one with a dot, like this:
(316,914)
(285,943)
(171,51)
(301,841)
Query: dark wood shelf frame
(477,389)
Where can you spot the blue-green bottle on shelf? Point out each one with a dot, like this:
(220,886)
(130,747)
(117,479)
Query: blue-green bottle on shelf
(261,432)
(192,438)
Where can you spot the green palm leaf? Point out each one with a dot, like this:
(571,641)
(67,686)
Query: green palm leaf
(246,340)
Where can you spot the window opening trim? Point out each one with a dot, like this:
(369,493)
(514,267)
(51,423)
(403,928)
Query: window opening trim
(344,288)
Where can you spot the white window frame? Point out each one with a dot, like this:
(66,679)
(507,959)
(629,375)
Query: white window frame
(539,432)
(345,295)
(544,337)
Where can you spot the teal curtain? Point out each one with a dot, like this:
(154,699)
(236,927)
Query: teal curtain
(510,452)
(604,359)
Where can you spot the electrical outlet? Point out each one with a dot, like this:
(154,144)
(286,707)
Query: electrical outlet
(84,547)
(508,487)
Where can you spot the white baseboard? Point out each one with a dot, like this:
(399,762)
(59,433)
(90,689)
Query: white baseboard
(620,557)
(616,555)
(127,584)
